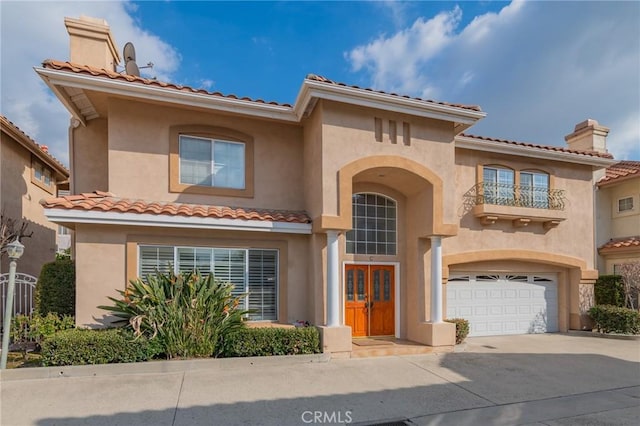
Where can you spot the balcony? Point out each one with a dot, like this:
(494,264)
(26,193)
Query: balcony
(522,205)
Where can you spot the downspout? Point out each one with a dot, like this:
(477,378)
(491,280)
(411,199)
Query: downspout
(73,125)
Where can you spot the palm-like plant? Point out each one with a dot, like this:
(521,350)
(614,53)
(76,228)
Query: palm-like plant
(189,313)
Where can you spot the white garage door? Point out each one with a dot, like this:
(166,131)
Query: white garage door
(504,304)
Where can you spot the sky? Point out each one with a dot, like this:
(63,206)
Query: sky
(537,68)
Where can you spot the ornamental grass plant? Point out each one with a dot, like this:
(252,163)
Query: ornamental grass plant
(189,313)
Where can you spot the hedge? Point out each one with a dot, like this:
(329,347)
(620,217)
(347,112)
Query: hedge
(609,290)
(56,288)
(462,329)
(271,341)
(80,347)
(614,319)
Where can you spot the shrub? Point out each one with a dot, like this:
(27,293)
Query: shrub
(56,288)
(615,319)
(271,341)
(462,329)
(80,347)
(37,328)
(609,290)
(189,313)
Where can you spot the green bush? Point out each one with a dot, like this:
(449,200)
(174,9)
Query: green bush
(37,328)
(80,347)
(56,288)
(190,314)
(615,319)
(462,329)
(271,341)
(609,290)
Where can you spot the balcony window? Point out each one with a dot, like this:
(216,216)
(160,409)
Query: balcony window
(534,190)
(498,186)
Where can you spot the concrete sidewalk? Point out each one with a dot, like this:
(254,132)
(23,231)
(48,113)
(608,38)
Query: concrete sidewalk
(535,379)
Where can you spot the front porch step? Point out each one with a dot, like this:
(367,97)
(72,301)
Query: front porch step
(366,348)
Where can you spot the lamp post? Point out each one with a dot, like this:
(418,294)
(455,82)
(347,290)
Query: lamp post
(14,251)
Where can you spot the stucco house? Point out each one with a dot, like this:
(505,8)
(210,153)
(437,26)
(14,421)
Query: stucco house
(363,212)
(28,174)
(618,216)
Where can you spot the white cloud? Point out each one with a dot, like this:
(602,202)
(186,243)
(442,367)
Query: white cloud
(395,62)
(34,31)
(536,68)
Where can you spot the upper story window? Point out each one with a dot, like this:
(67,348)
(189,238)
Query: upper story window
(499,185)
(211,162)
(625,204)
(374,225)
(41,175)
(534,189)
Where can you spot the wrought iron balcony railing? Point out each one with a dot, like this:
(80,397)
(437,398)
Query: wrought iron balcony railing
(516,195)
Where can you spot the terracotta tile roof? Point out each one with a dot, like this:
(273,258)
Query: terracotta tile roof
(5,124)
(621,243)
(620,171)
(108,202)
(322,79)
(101,72)
(546,147)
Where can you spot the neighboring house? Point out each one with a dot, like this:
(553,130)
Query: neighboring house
(28,174)
(363,212)
(618,216)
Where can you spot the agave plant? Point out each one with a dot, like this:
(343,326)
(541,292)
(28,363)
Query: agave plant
(189,313)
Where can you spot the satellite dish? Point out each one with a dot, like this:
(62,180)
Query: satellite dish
(131,68)
(129,52)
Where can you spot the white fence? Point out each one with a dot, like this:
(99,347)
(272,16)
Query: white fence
(23,298)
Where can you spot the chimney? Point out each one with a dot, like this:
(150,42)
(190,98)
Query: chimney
(91,43)
(588,136)
(44,148)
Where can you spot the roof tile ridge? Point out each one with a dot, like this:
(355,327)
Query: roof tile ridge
(78,68)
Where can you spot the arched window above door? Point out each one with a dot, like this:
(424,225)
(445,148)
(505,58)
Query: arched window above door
(374,225)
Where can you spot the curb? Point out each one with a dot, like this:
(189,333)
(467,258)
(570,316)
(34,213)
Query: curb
(157,367)
(603,335)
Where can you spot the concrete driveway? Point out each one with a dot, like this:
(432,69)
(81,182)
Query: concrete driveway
(552,379)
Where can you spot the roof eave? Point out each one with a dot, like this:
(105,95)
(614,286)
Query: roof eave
(73,216)
(466,142)
(56,79)
(621,179)
(16,135)
(310,90)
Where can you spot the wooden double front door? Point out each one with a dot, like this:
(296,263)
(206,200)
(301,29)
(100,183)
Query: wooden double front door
(369,295)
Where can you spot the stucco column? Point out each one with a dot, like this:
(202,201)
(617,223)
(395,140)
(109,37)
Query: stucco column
(436,278)
(333,280)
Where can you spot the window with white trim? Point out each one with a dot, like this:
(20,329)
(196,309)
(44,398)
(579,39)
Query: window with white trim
(625,204)
(253,272)
(498,186)
(534,189)
(212,162)
(374,225)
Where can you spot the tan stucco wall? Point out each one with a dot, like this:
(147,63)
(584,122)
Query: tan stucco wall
(139,148)
(623,224)
(573,237)
(89,157)
(107,258)
(21,200)
(612,224)
(348,135)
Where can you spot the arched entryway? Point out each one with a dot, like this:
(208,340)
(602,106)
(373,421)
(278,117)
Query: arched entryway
(382,286)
